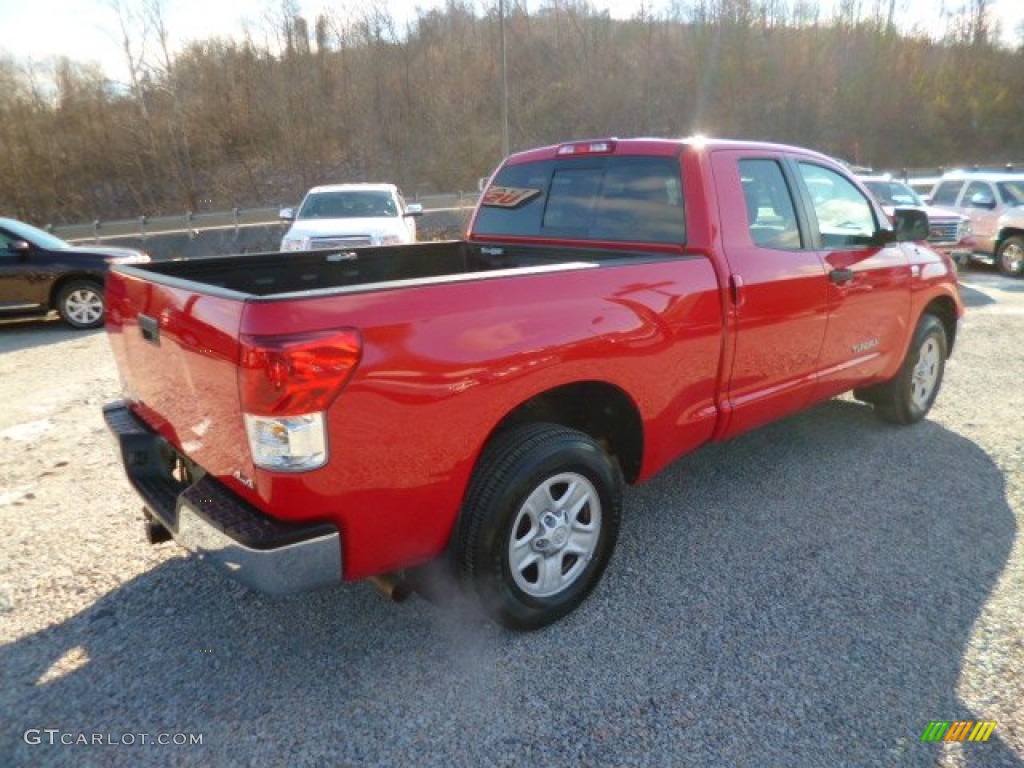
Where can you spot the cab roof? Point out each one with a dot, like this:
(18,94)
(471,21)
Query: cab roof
(360,187)
(649,146)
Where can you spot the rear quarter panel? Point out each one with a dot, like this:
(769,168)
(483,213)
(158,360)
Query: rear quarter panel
(444,364)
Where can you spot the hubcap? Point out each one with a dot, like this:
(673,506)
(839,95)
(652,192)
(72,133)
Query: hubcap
(555,535)
(84,306)
(926,373)
(1013,256)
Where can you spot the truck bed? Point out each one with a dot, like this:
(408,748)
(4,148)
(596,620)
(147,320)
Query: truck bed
(274,274)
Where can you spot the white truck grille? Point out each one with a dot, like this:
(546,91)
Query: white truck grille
(348,241)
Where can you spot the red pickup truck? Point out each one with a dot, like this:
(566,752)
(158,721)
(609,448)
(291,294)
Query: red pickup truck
(308,418)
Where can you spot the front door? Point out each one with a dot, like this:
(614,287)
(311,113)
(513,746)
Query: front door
(20,288)
(979,201)
(868,283)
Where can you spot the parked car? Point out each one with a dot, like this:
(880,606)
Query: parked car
(40,272)
(349,216)
(995,204)
(948,230)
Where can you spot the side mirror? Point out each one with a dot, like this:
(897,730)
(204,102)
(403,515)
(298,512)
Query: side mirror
(18,248)
(414,209)
(911,224)
(287,214)
(983,200)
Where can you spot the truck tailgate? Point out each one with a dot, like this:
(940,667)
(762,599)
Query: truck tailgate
(177,351)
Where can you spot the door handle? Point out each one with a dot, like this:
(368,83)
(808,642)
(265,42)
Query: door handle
(149,327)
(736,289)
(841,276)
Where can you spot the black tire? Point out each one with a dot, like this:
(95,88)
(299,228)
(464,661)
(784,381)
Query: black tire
(80,304)
(908,397)
(530,566)
(1010,258)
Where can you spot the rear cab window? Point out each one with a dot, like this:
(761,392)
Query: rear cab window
(630,199)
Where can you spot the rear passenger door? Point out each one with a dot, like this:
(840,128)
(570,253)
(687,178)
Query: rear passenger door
(778,289)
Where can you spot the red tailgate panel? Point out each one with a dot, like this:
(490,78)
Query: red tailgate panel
(177,352)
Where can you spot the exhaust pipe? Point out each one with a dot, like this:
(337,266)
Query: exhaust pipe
(393,587)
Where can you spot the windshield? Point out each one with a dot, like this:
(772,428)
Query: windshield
(34,235)
(1012,192)
(893,193)
(362,204)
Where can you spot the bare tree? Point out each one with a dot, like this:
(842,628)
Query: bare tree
(346,95)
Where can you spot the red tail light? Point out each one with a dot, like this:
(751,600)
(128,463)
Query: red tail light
(298,374)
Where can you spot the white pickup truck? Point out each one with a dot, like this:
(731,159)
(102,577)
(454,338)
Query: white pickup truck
(350,216)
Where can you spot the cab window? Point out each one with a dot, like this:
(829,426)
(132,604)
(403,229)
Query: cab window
(771,216)
(947,192)
(1012,192)
(846,218)
(979,195)
(5,244)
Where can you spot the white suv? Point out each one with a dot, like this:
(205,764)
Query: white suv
(350,215)
(995,204)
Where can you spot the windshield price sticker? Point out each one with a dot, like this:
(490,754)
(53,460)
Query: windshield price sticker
(508,197)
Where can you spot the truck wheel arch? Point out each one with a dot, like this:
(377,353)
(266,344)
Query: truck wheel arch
(945,310)
(893,399)
(539,524)
(599,409)
(602,411)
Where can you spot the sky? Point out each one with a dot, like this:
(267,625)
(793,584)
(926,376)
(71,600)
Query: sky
(88,30)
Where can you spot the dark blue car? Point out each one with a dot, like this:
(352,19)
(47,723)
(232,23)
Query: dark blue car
(40,273)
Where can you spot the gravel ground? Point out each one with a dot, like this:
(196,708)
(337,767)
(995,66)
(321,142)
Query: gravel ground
(811,594)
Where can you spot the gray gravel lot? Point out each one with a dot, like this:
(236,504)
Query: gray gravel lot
(811,594)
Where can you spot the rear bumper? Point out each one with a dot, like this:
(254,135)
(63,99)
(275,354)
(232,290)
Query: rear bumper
(217,525)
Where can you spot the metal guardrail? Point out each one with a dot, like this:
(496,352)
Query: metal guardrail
(236,218)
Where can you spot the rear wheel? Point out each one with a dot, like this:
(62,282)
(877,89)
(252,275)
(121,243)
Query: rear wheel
(908,398)
(539,524)
(80,304)
(1011,256)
